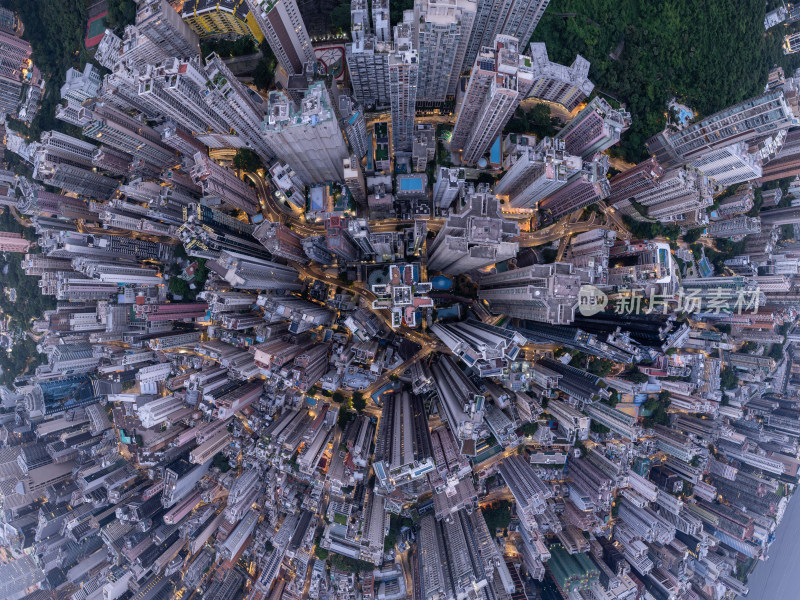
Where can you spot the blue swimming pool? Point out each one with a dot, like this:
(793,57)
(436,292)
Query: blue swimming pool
(440,282)
(412,184)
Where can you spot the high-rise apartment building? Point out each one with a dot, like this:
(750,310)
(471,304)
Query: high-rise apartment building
(460,402)
(79,87)
(583,189)
(309,140)
(595,129)
(442,30)
(65,162)
(482,346)
(501,77)
(163,26)
(283,27)
(380,20)
(404,73)
(249,273)
(16,69)
(354,126)
(786,162)
(534,173)
(339,241)
(368,66)
(230,98)
(743,122)
(211,18)
(547,293)
(222,183)
(281,241)
(741,225)
(448,186)
(177,88)
(517,18)
(730,165)
(121,131)
(567,86)
(676,192)
(13,242)
(637,180)
(473,236)
(354,179)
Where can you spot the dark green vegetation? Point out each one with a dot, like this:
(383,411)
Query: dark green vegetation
(55,30)
(351,565)
(536,121)
(221,462)
(247,160)
(396,9)
(340,19)
(241,46)
(180,287)
(648,231)
(666,49)
(658,407)
(120,14)
(30,304)
(728,379)
(497,516)
(396,524)
(264,72)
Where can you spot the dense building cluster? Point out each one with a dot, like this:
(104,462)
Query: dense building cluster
(294,349)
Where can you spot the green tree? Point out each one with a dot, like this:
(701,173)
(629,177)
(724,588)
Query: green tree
(246,160)
(340,18)
(728,379)
(120,13)
(359,403)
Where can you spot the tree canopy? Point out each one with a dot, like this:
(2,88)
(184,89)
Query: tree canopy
(673,48)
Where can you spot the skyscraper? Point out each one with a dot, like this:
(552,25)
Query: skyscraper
(309,140)
(448,185)
(209,18)
(283,27)
(675,192)
(403,81)
(354,126)
(65,162)
(517,18)
(474,236)
(219,182)
(741,122)
(13,242)
(534,173)
(249,273)
(354,179)
(177,88)
(594,129)
(368,65)
(564,85)
(163,26)
(546,293)
(644,176)
(500,79)
(584,188)
(380,20)
(15,54)
(230,98)
(730,165)
(442,30)
(281,241)
(121,131)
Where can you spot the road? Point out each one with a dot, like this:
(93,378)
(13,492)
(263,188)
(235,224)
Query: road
(556,231)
